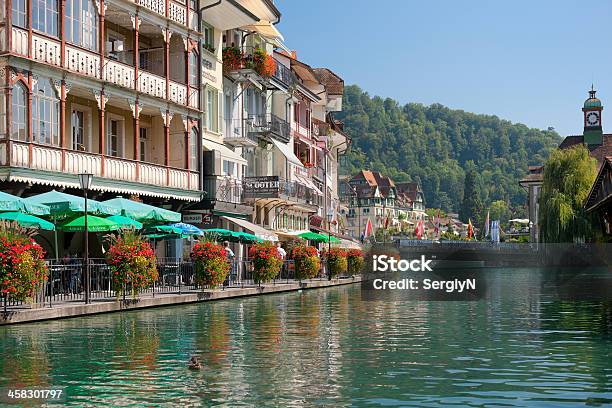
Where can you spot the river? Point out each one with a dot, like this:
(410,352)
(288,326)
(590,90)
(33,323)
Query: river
(326,347)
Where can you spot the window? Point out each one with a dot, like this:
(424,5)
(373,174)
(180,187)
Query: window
(82,23)
(44,16)
(19,125)
(144,133)
(19,13)
(194,72)
(78,130)
(209,37)
(114,138)
(45,113)
(212,110)
(193,149)
(229,168)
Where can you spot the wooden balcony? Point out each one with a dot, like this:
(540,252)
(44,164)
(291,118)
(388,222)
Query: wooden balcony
(54,159)
(176,12)
(48,51)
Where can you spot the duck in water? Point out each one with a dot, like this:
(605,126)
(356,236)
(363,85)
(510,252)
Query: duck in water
(194,363)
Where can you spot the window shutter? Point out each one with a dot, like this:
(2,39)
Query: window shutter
(219,111)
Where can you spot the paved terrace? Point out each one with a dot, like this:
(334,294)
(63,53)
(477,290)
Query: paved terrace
(75,308)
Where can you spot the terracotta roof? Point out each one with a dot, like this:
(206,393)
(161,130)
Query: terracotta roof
(334,85)
(597,197)
(599,152)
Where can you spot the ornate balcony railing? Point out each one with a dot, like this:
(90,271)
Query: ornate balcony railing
(274,187)
(152,84)
(177,12)
(284,74)
(224,188)
(82,62)
(50,158)
(118,73)
(20,41)
(194,98)
(46,50)
(178,93)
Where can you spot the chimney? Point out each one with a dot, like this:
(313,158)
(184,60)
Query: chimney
(294,54)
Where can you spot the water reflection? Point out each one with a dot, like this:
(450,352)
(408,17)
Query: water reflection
(328,347)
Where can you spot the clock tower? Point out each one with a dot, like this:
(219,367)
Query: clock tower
(593,133)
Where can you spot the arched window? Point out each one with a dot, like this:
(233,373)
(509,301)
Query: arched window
(19,123)
(194,71)
(44,16)
(82,23)
(45,113)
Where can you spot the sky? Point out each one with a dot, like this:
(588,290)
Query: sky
(526,61)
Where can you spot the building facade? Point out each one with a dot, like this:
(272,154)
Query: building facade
(195,106)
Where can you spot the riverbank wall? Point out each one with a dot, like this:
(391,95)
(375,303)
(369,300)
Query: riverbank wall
(63,310)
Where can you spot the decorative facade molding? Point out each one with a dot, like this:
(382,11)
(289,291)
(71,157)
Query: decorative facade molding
(186,43)
(167,116)
(186,123)
(136,21)
(34,80)
(67,86)
(98,7)
(101,98)
(135,107)
(57,84)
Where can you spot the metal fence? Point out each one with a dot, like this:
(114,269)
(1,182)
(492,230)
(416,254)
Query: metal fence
(65,281)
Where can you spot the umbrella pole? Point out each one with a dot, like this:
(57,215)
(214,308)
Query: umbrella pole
(55,238)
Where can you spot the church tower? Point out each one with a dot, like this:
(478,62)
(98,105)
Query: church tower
(593,133)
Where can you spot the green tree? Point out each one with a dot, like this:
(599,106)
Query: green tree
(471,206)
(499,210)
(439,146)
(568,177)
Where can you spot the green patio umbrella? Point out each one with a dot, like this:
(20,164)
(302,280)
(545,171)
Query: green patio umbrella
(221,234)
(313,236)
(65,205)
(28,221)
(247,238)
(9,202)
(94,224)
(125,222)
(142,212)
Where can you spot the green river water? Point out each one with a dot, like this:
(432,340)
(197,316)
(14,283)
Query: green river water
(325,347)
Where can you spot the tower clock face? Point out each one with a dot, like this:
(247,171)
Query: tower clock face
(592,119)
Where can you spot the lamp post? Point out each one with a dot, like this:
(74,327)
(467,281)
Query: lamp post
(85,180)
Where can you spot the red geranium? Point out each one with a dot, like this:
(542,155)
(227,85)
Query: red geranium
(133,263)
(211,263)
(267,261)
(22,265)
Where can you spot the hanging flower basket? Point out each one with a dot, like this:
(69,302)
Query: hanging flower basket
(211,264)
(267,262)
(133,263)
(22,266)
(307,262)
(337,261)
(355,261)
(233,59)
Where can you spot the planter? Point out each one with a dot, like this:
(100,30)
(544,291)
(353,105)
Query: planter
(211,264)
(267,262)
(307,262)
(337,261)
(355,261)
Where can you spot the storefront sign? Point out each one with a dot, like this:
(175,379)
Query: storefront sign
(261,187)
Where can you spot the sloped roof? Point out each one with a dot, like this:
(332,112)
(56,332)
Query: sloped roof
(334,85)
(599,152)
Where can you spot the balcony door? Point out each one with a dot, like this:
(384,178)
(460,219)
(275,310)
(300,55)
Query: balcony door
(80,128)
(144,144)
(114,137)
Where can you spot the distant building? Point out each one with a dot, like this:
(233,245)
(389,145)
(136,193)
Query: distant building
(593,138)
(372,196)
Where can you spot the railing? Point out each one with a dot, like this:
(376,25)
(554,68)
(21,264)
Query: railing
(82,62)
(67,281)
(46,50)
(20,41)
(284,74)
(177,12)
(275,187)
(300,129)
(49,158)
(268,124)
(317,172)
(226,189)
(178,93)
(157,6)
(152,84)
(119,74)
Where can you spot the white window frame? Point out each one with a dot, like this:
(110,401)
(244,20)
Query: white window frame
(87,115)
(121,142)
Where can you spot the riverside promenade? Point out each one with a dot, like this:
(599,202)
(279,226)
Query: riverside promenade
(67,309)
